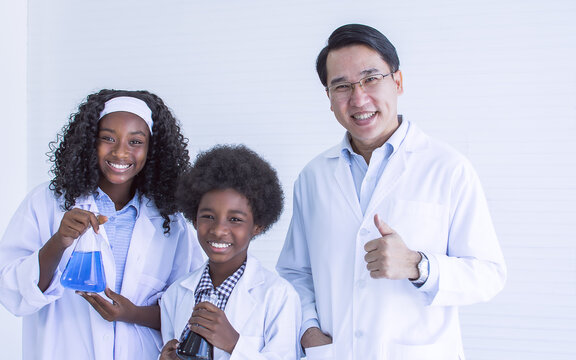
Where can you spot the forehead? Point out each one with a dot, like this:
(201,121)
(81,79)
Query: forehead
(354,61)
(123,120)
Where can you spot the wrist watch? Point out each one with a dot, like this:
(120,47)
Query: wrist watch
(423,270)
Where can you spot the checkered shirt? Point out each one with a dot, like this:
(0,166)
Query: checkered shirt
(205,288)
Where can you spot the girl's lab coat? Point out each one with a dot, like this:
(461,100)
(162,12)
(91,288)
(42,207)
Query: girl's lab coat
(432,198)
(59,324)
(263,308)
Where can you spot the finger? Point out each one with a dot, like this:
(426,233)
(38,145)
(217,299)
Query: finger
(208,306)
(382,227)
(372,245)
(94,222)
(92,300)
(112,295)
(202,330)
(372,256)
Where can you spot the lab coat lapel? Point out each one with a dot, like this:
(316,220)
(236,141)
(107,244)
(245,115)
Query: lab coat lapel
(391,175)
(142,235)
(345,182)
(242,304)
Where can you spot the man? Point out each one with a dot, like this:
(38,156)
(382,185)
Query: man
(390,231)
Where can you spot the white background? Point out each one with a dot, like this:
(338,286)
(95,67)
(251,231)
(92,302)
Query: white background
(494,78)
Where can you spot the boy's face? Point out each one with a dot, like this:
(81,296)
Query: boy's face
(225,226)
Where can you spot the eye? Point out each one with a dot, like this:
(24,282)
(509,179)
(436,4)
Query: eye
(371,79)
(206,216)
(106,138)
(342,87)
(236,220)
(136,142)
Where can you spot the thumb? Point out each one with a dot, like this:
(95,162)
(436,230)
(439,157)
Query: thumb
(111,294)
(382,227)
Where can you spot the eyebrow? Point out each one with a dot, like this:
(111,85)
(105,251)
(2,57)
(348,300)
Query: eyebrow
(363,73)
(240,212)
(132,133)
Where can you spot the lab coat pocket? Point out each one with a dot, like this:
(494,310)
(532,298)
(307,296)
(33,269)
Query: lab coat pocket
(421,352)
(417,221)
(320,352)
(152,288)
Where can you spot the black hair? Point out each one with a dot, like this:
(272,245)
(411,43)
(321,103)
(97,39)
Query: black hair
(357,34)
(233,167)
(75,162)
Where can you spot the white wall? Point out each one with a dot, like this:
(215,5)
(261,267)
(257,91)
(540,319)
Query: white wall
(494,78)
(13,146)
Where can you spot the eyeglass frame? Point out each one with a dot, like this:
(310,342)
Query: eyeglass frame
(361,82)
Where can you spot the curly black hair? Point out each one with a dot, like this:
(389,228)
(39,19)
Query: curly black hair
(233,167)
(75,163)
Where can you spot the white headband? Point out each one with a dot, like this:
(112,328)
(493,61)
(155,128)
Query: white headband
(131,105)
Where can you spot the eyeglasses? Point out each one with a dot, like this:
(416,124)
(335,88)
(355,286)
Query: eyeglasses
(344,89)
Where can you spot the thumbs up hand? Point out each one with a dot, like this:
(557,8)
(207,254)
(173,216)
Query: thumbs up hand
(388,256)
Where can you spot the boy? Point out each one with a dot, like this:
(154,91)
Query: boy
(232,195)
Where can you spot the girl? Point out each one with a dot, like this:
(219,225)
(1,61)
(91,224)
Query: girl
(232,195)
(119,156)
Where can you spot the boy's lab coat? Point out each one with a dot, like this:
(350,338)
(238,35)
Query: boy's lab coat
(263,308)
(59,324)
(432,198)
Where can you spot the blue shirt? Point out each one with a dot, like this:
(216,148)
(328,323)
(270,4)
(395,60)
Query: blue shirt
(365,175)
(119,228)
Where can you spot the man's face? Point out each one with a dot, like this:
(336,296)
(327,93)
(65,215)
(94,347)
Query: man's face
(370,116)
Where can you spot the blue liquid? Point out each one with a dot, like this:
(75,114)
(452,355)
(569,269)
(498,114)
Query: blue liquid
(84,272)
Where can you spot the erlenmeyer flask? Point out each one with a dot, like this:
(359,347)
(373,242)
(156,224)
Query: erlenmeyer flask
(193,346)
(85,271)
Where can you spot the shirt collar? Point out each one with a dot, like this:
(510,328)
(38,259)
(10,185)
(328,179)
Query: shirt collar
(394,141)
(225,289)
(101,196)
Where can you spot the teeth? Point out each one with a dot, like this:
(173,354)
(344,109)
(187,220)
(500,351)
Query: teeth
(220,245)
(364,116)
(119,166)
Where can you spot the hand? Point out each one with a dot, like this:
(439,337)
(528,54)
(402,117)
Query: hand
(314,337)
(121,309)
(74,223)
(389,257)
(214,326)
(169,351)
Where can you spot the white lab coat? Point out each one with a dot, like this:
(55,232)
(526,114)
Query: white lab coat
(59,324)
(263,308)
(431,196)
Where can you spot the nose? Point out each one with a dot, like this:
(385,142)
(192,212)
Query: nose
(121,149)
(220,228)
(359,96)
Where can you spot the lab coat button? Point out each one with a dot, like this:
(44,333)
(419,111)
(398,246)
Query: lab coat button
(361,284)
(364,231)
(358,333)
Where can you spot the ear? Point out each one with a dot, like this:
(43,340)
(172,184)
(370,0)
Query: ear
(399,82)
(257,230)
(194,223)
(328,95)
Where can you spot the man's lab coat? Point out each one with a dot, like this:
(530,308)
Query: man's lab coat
(431,196)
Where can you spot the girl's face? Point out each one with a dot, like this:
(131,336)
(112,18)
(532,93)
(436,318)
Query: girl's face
(122,147)
(225,226)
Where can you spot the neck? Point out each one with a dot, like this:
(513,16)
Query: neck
(119,194)
(221,271)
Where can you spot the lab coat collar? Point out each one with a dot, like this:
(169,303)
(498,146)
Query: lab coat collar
(241,304)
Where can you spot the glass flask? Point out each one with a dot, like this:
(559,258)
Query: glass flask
(85,271)
(193,346)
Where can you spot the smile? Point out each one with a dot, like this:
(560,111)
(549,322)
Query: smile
(364,116)
(119,166)
(219,245)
